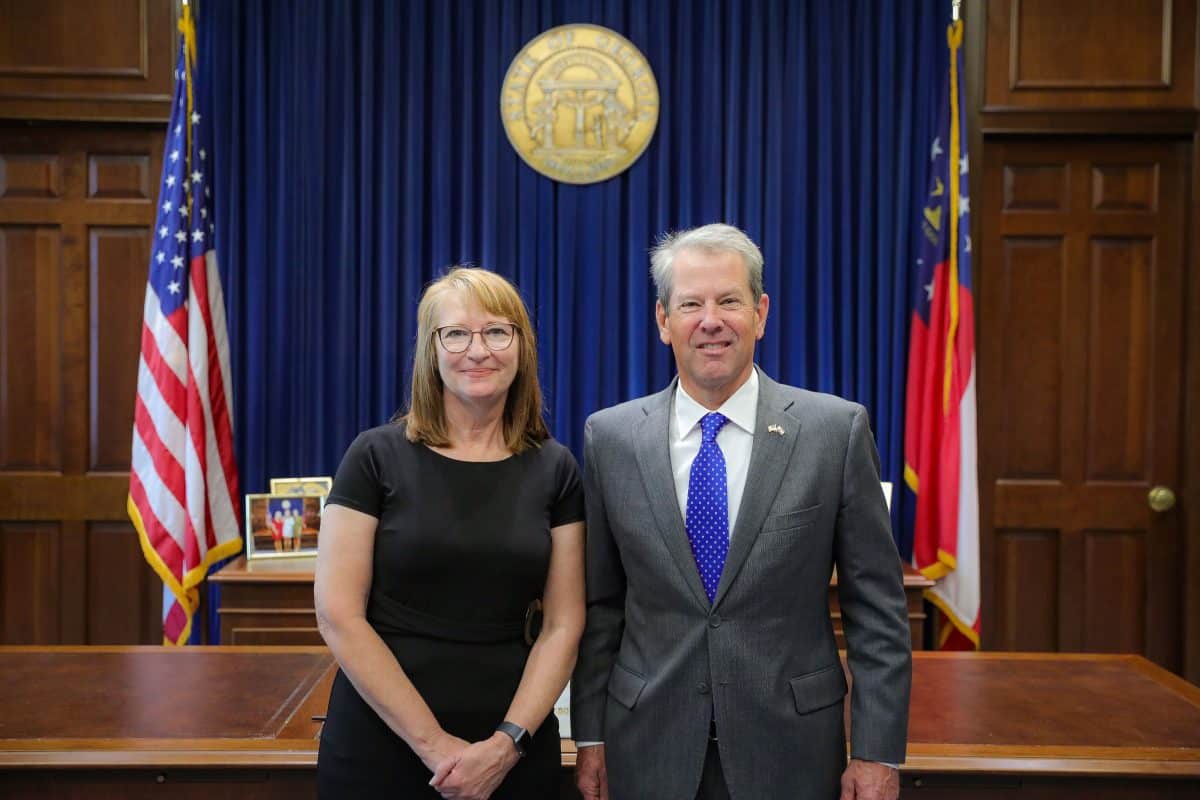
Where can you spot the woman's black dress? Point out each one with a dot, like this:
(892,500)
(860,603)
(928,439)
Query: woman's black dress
(460,551)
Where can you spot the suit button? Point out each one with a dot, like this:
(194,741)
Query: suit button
(702,687)
(714,621)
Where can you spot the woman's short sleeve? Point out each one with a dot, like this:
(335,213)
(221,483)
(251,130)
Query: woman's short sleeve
(568,503)
(358,483)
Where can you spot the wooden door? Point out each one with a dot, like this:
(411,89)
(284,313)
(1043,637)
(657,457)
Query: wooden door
(1080,363)
(76,207)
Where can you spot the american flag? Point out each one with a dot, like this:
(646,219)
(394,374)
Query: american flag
(183,485)
(939,430)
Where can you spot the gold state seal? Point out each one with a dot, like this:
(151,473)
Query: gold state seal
(579,103)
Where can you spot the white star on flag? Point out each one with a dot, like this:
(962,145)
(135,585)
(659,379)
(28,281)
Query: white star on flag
(159,256)
(195,117)
(173,286)
(964,205)
(162,232)
(936,149)
(963,166)
(203,155)
(196,176)
(197,235)
(177,262)
(180,237)
(183,212)
(967,244)
(174,155)
(170,180)
(929,291)
(167,207)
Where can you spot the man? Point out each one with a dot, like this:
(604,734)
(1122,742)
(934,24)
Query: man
(709,668)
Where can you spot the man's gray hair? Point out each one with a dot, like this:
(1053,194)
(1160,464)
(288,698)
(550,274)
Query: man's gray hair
(714,238)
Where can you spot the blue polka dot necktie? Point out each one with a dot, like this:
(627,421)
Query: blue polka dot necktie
(708,506)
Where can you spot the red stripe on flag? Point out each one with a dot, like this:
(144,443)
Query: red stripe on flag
(222,425)
(169,470)
(174,623)
(156,534)
(169,386)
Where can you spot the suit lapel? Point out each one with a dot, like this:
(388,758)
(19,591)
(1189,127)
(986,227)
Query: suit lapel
(652,436)
(775,435)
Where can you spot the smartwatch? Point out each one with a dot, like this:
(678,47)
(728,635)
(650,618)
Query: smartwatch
(519,735)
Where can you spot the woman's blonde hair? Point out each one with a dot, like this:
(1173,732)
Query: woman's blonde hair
(426,417)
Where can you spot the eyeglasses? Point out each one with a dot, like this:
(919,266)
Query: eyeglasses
(457,339)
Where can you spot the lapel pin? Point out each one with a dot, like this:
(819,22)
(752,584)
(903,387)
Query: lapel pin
(775,429)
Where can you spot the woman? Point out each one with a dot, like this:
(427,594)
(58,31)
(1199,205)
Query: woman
(441,531)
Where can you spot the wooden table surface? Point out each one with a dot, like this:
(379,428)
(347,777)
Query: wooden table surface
(161,706)
(133,707)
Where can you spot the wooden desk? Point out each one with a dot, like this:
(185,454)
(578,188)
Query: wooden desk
(270,601)
(129,722)
(267,601)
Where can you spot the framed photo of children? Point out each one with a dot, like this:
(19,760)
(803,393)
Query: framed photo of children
(282,525)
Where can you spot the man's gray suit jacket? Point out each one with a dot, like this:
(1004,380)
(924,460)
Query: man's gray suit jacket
(658,661)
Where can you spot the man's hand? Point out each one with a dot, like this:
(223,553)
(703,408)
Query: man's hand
(870,780)
(591,778)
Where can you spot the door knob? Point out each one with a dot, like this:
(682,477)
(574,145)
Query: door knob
(1161,499)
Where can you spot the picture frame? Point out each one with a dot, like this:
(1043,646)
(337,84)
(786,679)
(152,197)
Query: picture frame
(270,524)
(302,486)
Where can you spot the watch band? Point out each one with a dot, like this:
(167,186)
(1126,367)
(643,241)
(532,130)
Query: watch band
(519,736)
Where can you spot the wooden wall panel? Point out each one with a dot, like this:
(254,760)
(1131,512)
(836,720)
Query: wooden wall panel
(30,347)
(1125,187)
(119,177)
(117,264)
(1023,619)
(1090,54)
(1036,187)
(1115,572)
(36,175)
(75,220)
(1032,308)
(1118,359)
(29,583)
(60,59)
(124,596)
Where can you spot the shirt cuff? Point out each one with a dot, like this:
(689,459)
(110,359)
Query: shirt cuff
(586,744)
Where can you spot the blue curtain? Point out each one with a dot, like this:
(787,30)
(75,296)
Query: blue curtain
(359,151)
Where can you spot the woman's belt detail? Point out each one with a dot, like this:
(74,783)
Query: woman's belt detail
(390,617)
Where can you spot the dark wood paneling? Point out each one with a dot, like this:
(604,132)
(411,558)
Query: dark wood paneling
(111,60)
(29,583)
(1035,187)
(122,177)
(1190,494)
(45,38)
(1080,383)
(30,176)
(73,275)
(1032,310)
(1125,187)
(1118,377)
(1090,54)
(1024,619)
(124,596)
(1115,575)
(30,347)
(117,268)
